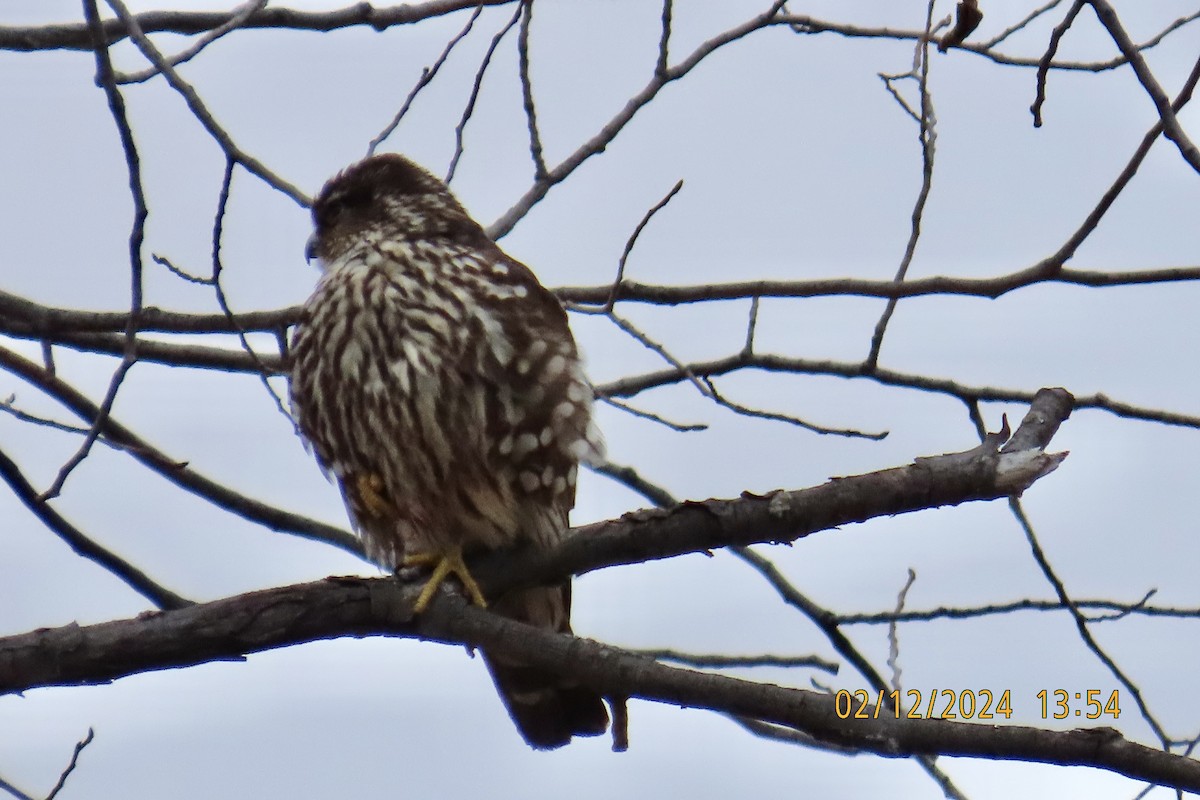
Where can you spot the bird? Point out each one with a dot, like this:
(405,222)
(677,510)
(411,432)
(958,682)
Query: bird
(438,384)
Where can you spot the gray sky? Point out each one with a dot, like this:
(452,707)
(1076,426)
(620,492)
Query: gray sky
(797,164)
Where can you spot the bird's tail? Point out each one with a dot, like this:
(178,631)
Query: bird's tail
(548,709)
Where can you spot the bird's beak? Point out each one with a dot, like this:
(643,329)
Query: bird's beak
(310,249)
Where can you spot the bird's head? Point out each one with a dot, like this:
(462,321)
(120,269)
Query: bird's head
(384,196)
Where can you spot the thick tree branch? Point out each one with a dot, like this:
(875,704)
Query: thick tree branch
(27,319)
(232,627)
(225,629)
(74,36)
(337,607)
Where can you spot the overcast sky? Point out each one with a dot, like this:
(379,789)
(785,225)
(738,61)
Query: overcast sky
(796,164)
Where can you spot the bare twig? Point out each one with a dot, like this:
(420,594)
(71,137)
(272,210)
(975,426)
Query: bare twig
(635,384)
(469,108)
(237,18)
(223,302)
(927,135)
(664,40)
(82,544)
(632,240)
(427,76)
(705,386)
(1081,623)
(1116,611)
(8,406)
(1056,583)
(640,413)
(137,234)
(827,624)
(22,317)
(631,478)
(1166,113)
(535,138)
(75,36)
(200,111)
(1019,25)
(614,126)
(62,779)
(14,791)
(1053,263)
(1048,58)
(893,659)
(175,471)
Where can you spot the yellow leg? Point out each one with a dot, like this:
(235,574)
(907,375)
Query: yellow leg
(445,563)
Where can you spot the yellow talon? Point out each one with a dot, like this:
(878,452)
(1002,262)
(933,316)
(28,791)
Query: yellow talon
(445,563)
(369,487)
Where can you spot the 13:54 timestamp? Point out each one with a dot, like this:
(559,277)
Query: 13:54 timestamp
(1061,704)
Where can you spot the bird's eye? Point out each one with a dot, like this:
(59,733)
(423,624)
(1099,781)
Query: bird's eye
(339,203)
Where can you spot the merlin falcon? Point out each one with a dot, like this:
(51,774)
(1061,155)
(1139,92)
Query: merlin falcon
(439,385)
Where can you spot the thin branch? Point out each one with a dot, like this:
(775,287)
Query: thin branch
(1116,611)
(633,385)
(180,355)
(8,406)
(427,76)
(1048,58)
(535,138)
(927,136)
(137,234)
(62,779)
(25,318)
(893,659)
(614,126)
(237,18)
(81,543)
(173,470)
(806,25)
(223,302)
(787,735)
(631,478)
(825,621)
(664,40)
(751,326)
(469,108)
(14,791)
(73,36)
(1171,127)
(1085,634)
(706,388)
(776,416)
(640,413)
(632,240)
(991,288)
(1054,263)
(1056,583)
(200,111)
(1020,25)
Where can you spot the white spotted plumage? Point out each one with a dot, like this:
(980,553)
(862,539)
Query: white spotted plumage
(438,382)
